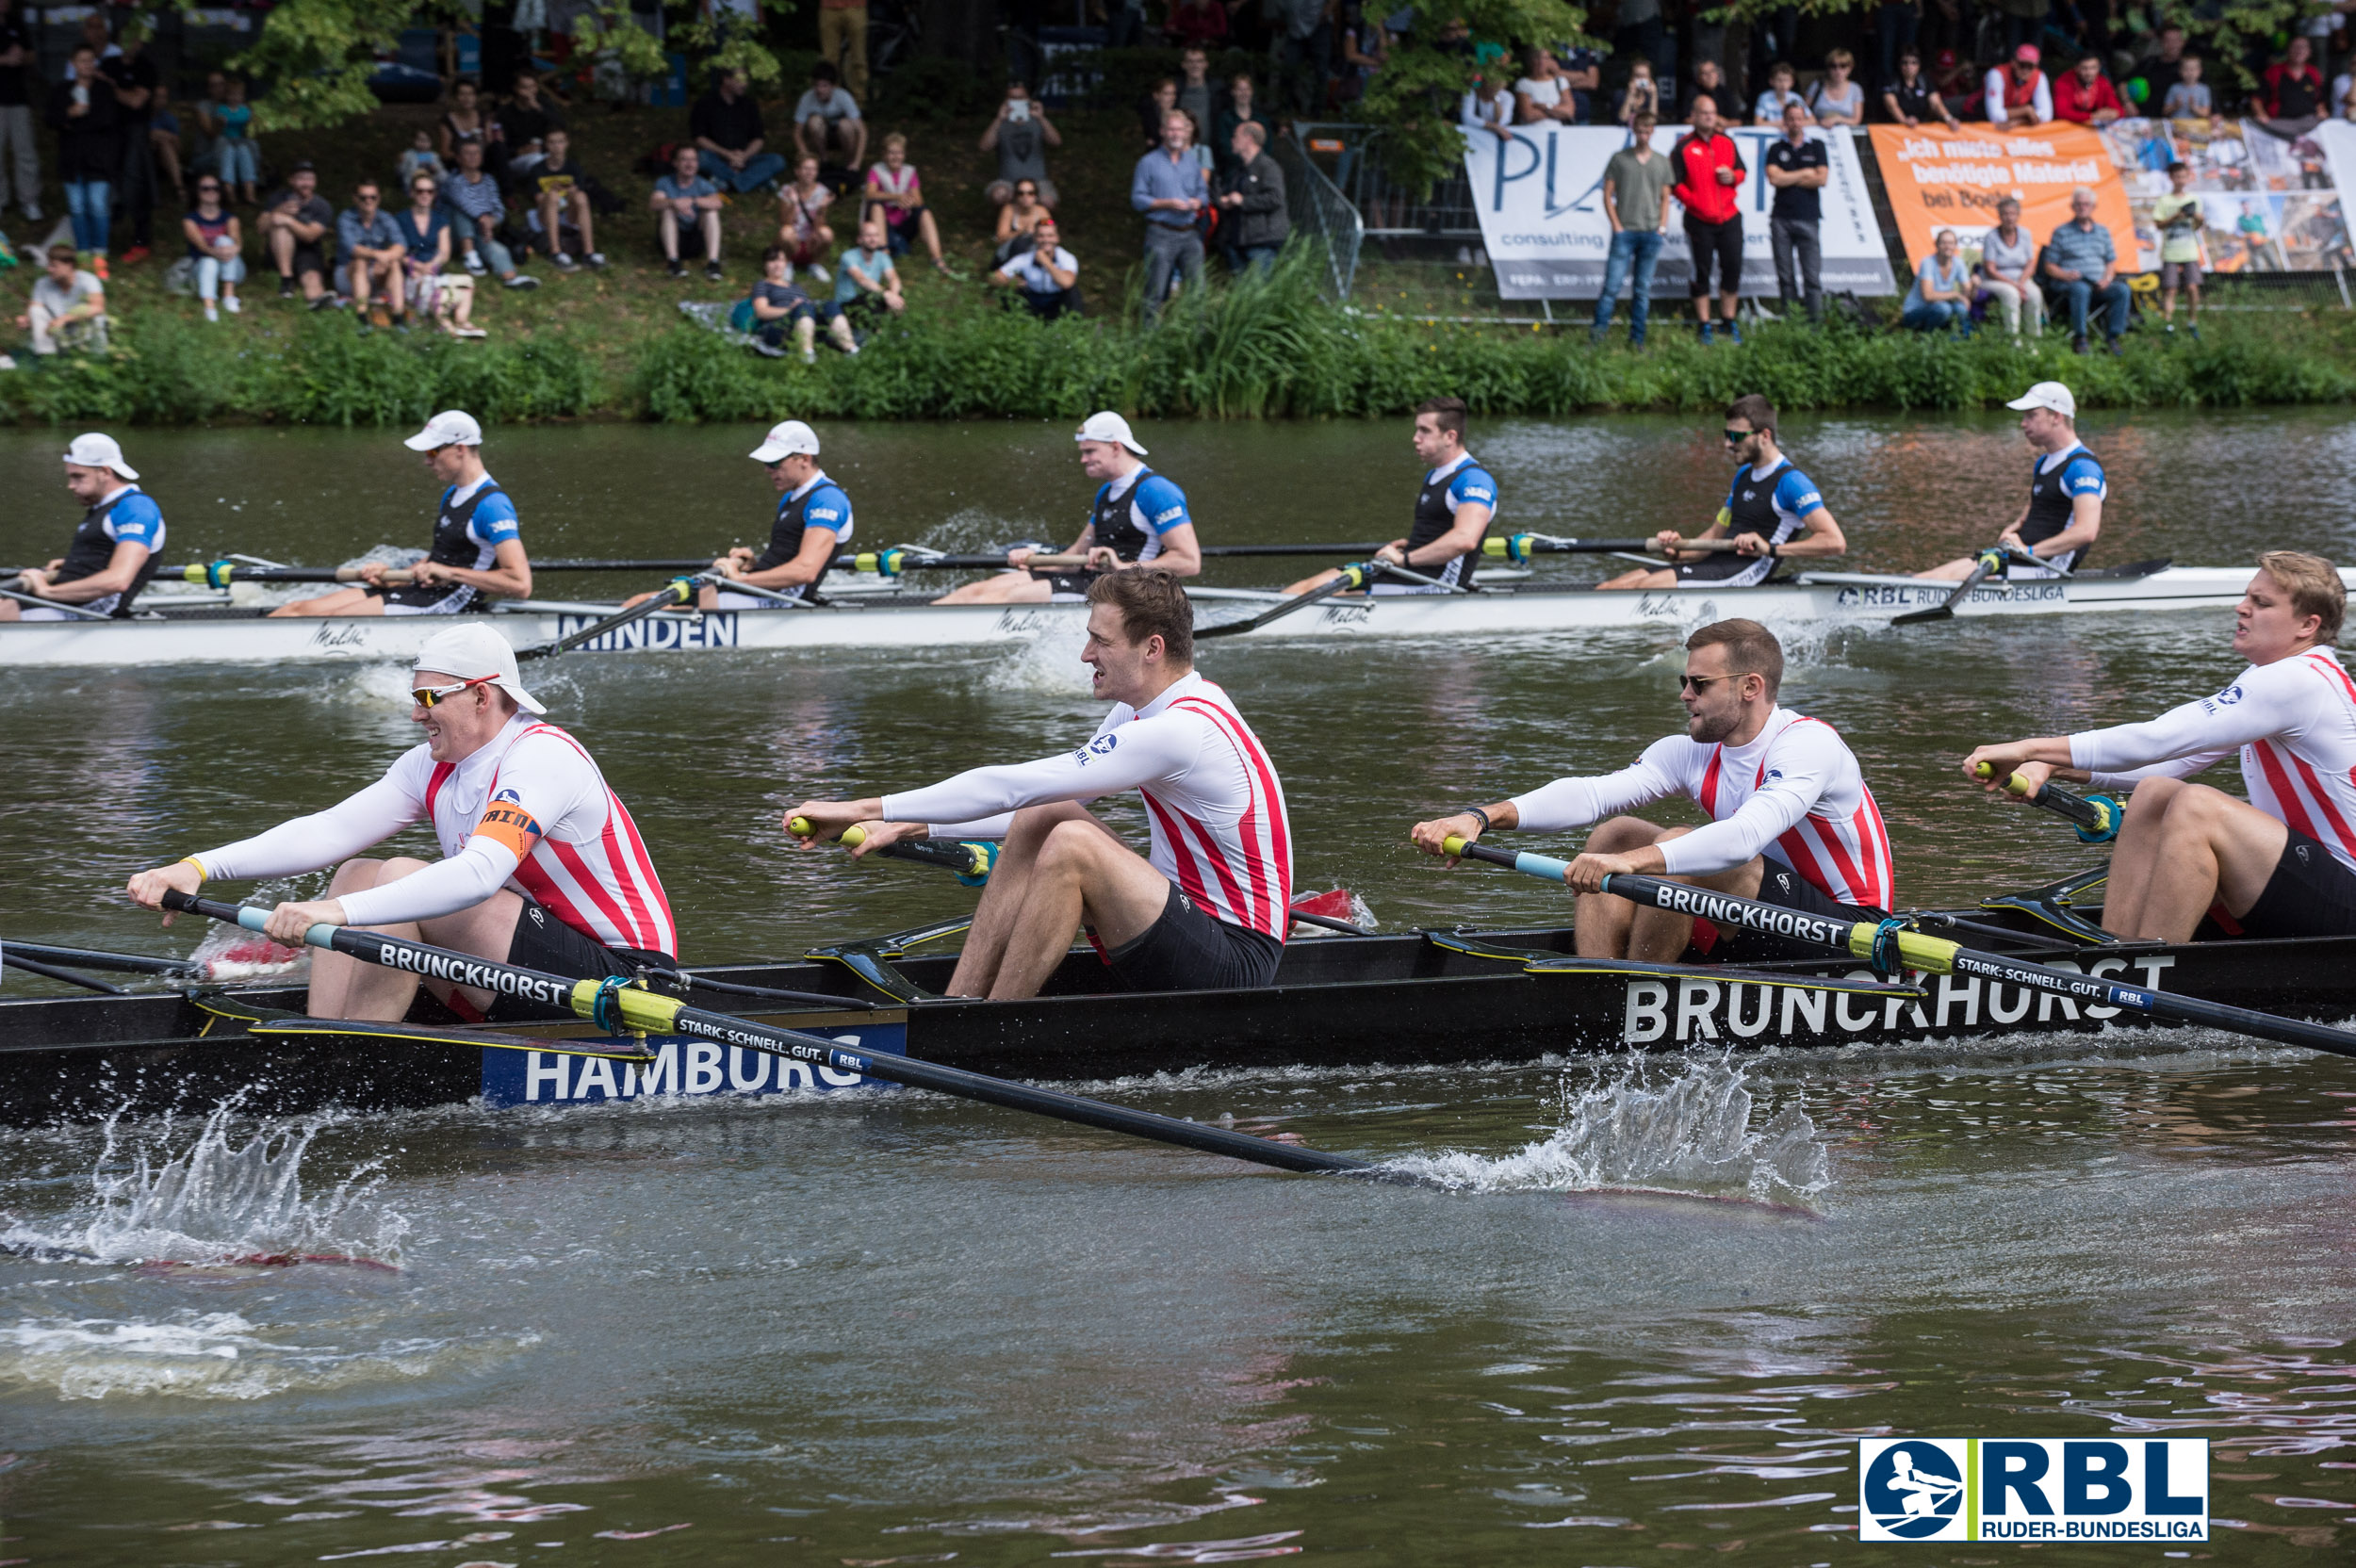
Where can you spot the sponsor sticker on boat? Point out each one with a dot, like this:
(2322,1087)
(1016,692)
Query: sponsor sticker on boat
(709,628)
(682,1065)
(2032,1489)
(1656,1012)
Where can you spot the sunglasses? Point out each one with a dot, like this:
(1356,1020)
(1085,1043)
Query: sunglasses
(1695,682)
(426,696)
(1736,438)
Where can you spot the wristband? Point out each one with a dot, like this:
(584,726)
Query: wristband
(201,874)
(1478,815)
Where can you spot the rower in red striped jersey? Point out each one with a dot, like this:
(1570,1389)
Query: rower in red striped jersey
(2281,864)
(1207,906)
(542,867)
(1792,822)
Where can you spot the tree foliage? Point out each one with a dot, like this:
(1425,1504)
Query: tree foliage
(1415,96)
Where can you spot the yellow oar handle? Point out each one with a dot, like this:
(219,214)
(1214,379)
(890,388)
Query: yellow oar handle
(801,828)
(854,836)
(1454,844)
(2018,786)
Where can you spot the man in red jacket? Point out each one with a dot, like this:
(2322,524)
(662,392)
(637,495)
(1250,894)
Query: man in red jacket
(2085,96)
(1710,173)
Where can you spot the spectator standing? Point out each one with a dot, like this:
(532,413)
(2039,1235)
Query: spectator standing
(239,158)
(781,307)
(1798,166)
(135,78)
(1958,84)
(525,124)
(2085,96)
(163,140)
(1488,107)
(68,308)
(1897,23)
(842,43)
(1542,96)
(1942,296)
(802,218)
(1640,32)
(1583,75)
(1708,81)
(2008,271)
(1708,170)
(294,225)
(1194,91)
(473,196)
(1047,274)
(896,194)
(89,148)
(726,129)
(1169,190)
(215,241)
(1366,48)
(2019,96)
(864,279)
(1642,95)
(1304,50)
(20,160)
(1837,100)
(208,121)
(425,239)
(1017,220)
(1911,99)
(2082,267)
(684,201)
(1769,109)
(1241,110)
(2188,95)
(1159,102)
(564,192)
(373,251)
(1021,132)
(826,118)
(2181,221)
(1636,201)
(2292,97)
(1251,198)
(1196,23)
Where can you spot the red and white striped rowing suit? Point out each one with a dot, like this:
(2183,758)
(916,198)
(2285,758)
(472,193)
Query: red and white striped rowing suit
(1795,794)
(2293,721)
(1212,799)
(530,811)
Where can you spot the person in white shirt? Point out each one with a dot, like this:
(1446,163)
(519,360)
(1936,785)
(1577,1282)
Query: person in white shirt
(1489,106)
(2281,863)
(2017,96)
(1048,275)
(1543,98)
(1792,822)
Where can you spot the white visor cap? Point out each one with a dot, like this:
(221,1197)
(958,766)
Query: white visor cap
(476,653)
(2047,394)
(450,427)
(785,440)
(100,451)
(1109,426)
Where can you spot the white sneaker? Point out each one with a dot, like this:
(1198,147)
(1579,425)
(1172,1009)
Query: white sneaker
(212,312)
(229,302)
(819,272)
(474,263)
(809,356)
(7,363)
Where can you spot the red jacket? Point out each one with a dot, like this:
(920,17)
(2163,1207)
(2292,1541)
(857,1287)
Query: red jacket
(2281,71)
(2075,101)
(1697,161)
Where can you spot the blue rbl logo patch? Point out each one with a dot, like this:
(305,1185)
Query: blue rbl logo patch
(1101,747)
(509,794)
(1164,519)
(2032,1489)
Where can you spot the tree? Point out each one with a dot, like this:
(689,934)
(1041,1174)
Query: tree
(1414,97)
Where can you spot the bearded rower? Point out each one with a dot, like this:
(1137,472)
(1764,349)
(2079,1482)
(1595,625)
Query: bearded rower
(1793,823)
(1453,510)
(114,552)
(542,866)
(813,520)
(1138,518)
(1771,509)
(1207,906)
(2067,488)
(2279,864)
(477,545)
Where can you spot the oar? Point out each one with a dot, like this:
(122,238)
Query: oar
(1519,548)
(220,574)
(78,612)
(1991,561)
(912,558)
(1890,948)
(618,1008)
(2096,818)
(129,963)
(678,592)
(34,965)
(1355,576)
(972,860)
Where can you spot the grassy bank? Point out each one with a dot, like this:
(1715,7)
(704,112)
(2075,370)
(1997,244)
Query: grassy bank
(1271,350)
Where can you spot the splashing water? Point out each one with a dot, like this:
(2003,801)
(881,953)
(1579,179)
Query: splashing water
(1692,1135)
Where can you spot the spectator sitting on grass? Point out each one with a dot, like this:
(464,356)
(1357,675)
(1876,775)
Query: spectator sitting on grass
(474,196)
(525,125)
(1241,110)
(1254,224)
(894,192)
(1942,295)
(163,136)
(780,306)
(727,132)
(207,122)
(465,121)
(295,228)
(238,154)
(425,237)
(865,281)
(1018,220)
(373,253)
(421,160)
(1046,273)
(214,243)
(561,192)
(1020,135)
(826,118)
(684,200)
(69,307)
(802,229)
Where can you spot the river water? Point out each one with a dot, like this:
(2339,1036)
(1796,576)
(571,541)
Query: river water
(891,1329)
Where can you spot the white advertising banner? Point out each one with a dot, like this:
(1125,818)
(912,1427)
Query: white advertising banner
(1539,194)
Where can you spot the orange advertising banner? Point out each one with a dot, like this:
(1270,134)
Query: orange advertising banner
(1942,179)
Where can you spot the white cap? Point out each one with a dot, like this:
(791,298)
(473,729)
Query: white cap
(2047,394)
(1109,426)
(785,440)
(476,653)
(450,427)
(99,452)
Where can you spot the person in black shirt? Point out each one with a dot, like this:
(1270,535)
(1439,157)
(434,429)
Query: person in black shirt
(729,137)
(17,153)
(1799,168)
(1911,99)
(524,126)
(83,112)
(133,78)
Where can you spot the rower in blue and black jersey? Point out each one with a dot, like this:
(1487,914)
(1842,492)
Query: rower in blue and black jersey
(1454,507)
(813,522)
(1138,517)
(478,547)
(1773,509)
(2067,489)
(115,547)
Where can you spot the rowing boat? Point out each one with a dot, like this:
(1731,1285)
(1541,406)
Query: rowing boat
(1428,999)
(213,632)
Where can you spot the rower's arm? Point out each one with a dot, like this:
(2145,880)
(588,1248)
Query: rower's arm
(1180,552)
(815,556)
(1139,752)
(321,839)
(1820,536)
(510,575)
(1569,802)
(444,888)
(1462,538)
(2086,523)
(120,569)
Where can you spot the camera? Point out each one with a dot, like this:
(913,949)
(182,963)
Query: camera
(1018,111)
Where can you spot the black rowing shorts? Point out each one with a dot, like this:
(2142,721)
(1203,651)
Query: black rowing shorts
(1779,885)
(546,943)
(2310,895)
(1189,950)
(1067,587)
(1726,566)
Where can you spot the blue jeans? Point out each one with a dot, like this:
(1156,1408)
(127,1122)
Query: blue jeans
(759,171)
(1258,257)
(1932,315)
(2083,295)
(87,202)
(1637,251)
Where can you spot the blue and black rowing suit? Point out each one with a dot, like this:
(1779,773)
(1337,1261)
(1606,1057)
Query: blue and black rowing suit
(1129,516)
(474,521)
(128,516)
(1446,488)
(818,503)
(1770,505)
(2056,482)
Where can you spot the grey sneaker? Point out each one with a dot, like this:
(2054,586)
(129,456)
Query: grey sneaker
(520,280)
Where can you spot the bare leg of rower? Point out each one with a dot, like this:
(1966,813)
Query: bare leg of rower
(1643,577)
(1610,926)
(346,988)
(1068,868)
(1004,588)
(343,601)
(2182,846)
